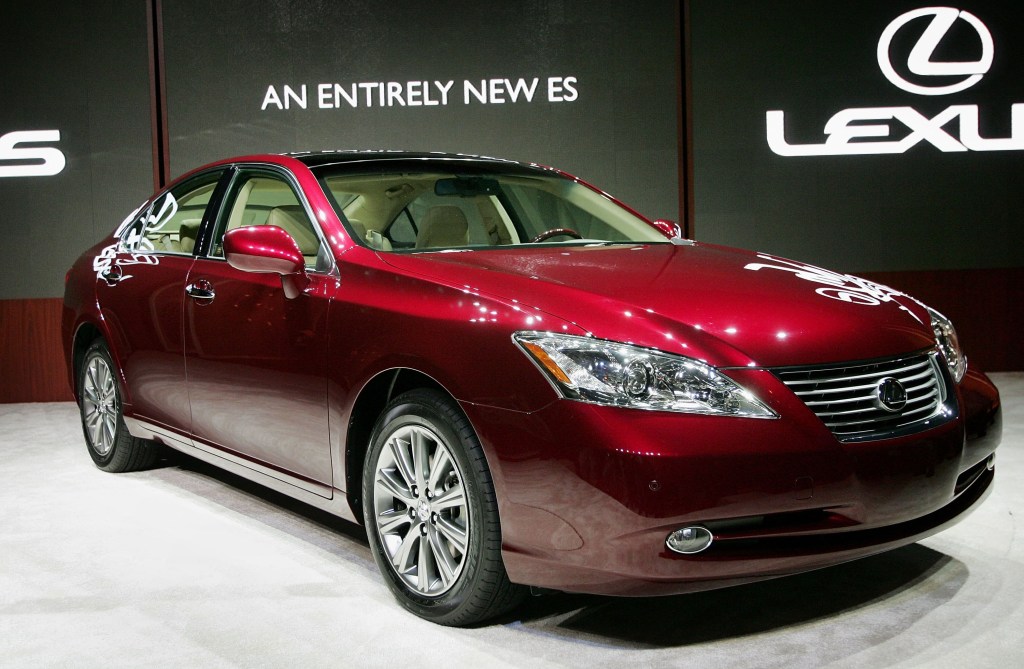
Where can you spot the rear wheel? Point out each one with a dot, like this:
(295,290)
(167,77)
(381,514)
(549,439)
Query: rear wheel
(431,513)
(110,445)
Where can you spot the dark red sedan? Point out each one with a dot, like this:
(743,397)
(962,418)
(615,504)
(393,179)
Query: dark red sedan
(513,379)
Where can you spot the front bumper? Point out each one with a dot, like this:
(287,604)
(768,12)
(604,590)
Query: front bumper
(588,494)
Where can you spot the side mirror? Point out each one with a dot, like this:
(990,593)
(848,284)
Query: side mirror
(267,249)
(669,228)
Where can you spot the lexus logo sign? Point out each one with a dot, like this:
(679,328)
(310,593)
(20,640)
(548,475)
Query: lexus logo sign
(920,61)
(888,130)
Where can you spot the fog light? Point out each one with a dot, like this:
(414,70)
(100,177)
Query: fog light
(689,540)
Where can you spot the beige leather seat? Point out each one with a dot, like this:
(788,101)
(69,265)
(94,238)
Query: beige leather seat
(292,219)
(187,234)
(443,226)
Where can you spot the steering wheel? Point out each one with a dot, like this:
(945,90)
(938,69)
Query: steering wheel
(554,232)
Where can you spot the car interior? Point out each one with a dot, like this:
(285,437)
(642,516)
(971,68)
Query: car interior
(425,211)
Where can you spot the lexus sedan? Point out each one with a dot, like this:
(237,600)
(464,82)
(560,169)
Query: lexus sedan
(512,379)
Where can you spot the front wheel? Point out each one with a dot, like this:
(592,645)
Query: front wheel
(110,445)
(431,513)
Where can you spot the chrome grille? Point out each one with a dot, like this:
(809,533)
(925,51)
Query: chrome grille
(846,397)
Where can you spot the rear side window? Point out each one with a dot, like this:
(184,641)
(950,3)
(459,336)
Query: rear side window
(171,224)
(403,231)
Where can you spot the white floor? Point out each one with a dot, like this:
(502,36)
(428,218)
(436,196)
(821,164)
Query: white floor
(184,566)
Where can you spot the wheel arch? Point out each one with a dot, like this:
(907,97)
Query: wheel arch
(369,405)
(85,335)
(89,331)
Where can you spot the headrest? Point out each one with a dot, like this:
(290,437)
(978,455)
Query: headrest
(292,219)
(187,234)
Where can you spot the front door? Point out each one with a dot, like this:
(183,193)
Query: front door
(256,360)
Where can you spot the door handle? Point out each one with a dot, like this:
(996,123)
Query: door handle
(112,274)
(201,291)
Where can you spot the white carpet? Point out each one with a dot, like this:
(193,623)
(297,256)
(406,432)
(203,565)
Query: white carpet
(185,566)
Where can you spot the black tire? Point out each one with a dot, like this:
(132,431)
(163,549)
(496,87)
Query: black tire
(431,517)
(110,445)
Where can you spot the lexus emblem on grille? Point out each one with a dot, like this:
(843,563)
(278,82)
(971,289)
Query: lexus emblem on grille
(890,394)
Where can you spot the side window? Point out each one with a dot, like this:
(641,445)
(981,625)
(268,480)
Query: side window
(264,199)
(402,232)
(171,223)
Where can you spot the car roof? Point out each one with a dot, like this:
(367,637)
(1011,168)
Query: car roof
(417,160)
(362,161)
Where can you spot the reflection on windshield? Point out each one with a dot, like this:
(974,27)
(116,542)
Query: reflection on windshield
(438,211)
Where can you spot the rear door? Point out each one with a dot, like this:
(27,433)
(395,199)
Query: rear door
(140,288)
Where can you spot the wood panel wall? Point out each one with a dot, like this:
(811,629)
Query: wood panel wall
(31,357)
(985,305)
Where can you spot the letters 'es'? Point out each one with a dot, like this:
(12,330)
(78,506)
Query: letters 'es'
(30,161)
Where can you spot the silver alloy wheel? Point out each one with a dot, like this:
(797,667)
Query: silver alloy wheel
(419,504)
(99,405)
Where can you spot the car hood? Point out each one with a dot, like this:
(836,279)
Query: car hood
(725,306)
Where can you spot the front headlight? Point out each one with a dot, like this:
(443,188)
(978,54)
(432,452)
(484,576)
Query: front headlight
(945,336)
(609,373)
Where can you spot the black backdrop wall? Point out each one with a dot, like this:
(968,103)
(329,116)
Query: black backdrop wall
(80,70)
(934,205)
(590,87)
(878,137)
(127,95)
(560,83)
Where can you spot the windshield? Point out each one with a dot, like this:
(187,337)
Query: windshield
(438,211)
